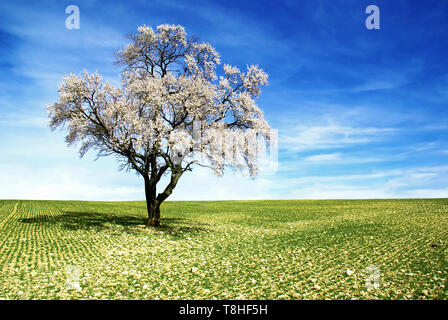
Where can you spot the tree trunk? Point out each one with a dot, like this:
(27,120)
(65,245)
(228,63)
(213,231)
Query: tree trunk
(153,215)
(152,205)
(153,201)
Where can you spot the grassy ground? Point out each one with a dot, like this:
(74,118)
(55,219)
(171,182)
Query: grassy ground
(224,250)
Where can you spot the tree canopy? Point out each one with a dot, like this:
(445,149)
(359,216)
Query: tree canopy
(172,111)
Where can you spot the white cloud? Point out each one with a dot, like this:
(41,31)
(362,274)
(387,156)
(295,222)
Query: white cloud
(67,183)
(101,181)
(338,158)
(322,191)
(201,184)
(303,138)
(378,85)
(340,178)
(419,178)
(27,122)
(323,157)
(426,193)
(423,182)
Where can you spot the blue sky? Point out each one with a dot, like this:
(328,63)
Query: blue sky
(360,113)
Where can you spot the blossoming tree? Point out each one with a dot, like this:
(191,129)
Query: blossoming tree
(171,113)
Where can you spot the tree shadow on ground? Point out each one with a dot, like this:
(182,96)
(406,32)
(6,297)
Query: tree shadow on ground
(129,224)
(179,226)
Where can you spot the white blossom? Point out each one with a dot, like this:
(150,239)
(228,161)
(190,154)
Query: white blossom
(169,88)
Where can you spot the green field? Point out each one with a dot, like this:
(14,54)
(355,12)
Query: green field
(224,250)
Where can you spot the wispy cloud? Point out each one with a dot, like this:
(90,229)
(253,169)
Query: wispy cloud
(342,158)
(419,182)
(323,157)
(303,138)
(27,122)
